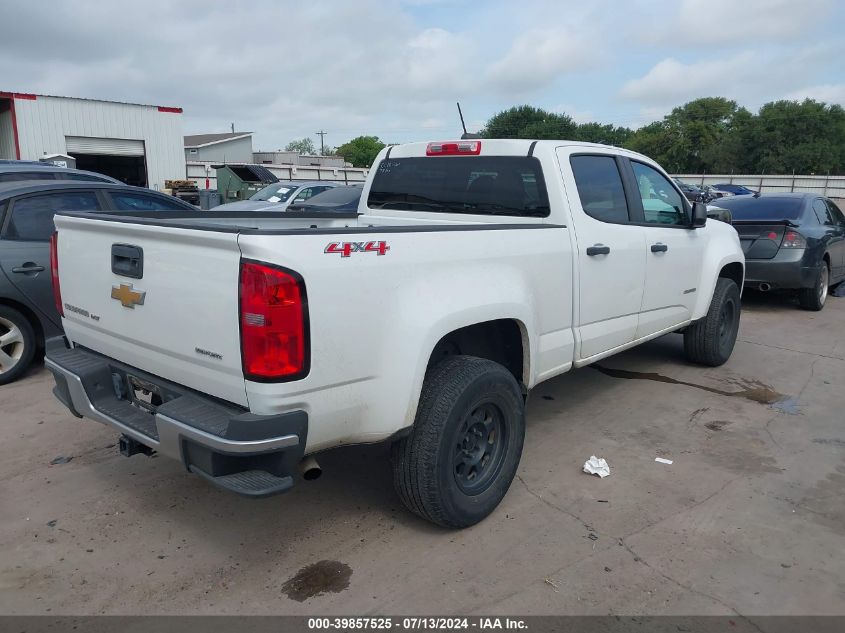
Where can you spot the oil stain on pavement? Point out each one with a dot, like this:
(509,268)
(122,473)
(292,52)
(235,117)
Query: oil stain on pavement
(326,576)
(749,389)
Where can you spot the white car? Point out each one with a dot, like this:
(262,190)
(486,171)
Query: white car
(474,271)
(278,196)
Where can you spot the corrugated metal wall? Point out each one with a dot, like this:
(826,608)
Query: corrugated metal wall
(830,186)
(44,122)
(196,171)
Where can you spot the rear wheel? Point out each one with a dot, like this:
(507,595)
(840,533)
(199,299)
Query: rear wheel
(814,298)
(710,341)
(17,344)
(462,454)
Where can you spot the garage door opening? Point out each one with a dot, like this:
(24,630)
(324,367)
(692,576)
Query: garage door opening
(129,169)
(123,159)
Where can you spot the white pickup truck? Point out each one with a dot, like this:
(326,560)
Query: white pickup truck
(243,344)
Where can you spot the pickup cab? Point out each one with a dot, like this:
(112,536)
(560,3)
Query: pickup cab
(243,344)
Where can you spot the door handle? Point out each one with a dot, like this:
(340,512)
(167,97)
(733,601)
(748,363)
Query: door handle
(659,248)
(597,249)
(28,268)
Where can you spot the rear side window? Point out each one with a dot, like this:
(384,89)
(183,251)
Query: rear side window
(600,188)
(822,212)
(140,202)
(835,212)
(17,176)
(83,177)
(32,217)
(484,185)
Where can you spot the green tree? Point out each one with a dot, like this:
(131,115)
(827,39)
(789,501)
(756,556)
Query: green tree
(693,137)
(804,137)
(529,122)
(605,134)
(303,146)
(361,151)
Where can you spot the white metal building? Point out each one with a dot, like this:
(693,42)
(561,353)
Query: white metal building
(227,147)
(137,144)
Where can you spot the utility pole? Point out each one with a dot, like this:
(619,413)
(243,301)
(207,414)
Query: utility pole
(322,134)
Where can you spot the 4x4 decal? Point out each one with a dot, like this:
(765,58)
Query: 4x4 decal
(347,248)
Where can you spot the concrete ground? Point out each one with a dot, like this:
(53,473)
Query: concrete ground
(749,519)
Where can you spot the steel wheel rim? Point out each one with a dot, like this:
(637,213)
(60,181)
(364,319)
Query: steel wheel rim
(823,285)
(727,319)
(11,345)
(479,448)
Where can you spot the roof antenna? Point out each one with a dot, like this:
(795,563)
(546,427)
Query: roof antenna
(465,135)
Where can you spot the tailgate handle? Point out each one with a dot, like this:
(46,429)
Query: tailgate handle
(127,260)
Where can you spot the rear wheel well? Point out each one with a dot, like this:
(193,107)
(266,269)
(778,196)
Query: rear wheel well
(733,271)
(34,321)
(500,341)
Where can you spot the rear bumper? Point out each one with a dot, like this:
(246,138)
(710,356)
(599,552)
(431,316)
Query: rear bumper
(245,453)
(786,270)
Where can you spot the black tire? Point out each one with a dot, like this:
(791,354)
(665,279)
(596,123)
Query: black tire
(710,341)
(19,347)
(471,410)
(814,298)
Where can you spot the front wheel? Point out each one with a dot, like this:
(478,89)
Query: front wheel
(814,298)
(710,341)
(463,451)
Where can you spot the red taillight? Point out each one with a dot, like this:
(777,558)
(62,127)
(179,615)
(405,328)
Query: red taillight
(793,239)
(454,148)
(54,272)
(274,323)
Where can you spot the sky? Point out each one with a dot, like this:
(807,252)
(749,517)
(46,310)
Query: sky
(395,68)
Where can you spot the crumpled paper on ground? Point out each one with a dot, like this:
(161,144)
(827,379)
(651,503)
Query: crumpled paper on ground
(596,466)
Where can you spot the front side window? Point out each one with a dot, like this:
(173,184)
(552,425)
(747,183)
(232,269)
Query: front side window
(32,217)
(662,204)
(309,192)
(600,188)
(141,202)
(480,185)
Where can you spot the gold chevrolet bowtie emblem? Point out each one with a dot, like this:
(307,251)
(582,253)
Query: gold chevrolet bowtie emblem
(128,298)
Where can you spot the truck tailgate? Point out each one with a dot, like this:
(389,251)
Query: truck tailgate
(177,320)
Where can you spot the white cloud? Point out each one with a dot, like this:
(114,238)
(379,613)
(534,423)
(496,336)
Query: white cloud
(670,80)
(829,93)
(744,21)
(539,56)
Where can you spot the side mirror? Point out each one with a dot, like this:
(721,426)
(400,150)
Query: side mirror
(699,214)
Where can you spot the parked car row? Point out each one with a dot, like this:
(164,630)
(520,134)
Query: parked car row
(708,193)
(792,241)
(30,195)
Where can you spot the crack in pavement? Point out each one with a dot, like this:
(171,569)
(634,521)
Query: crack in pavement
(637,558)
(789,349)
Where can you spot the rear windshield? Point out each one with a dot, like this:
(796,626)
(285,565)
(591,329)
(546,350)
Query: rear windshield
(762,208)
(488,185)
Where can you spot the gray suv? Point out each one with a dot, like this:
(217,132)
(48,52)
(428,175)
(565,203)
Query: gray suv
(17,171)
(27,309)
